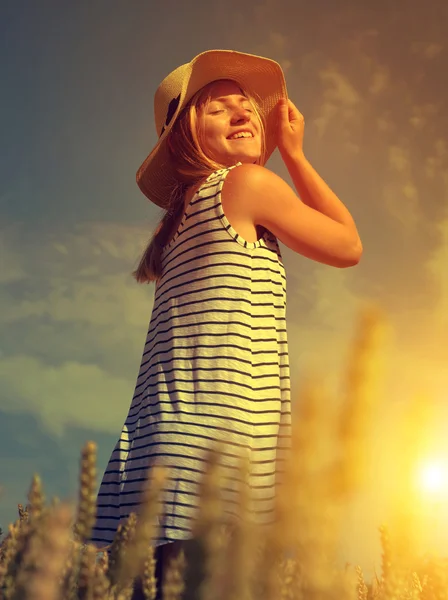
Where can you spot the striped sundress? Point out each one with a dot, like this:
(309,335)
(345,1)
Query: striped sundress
(215,366)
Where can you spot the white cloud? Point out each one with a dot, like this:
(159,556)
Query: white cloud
(320,340)
(384,124)
(399,160)
(434,164)
(67,285)
(402,203)
(400,193)
(340,89)
(341,102)
(427,50)
(61,248)
(380,80)
(108,300)
(12,266)
(70,394)
(437,266)
(75,283)
(422,115)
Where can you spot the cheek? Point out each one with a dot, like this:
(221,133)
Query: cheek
(204,135)
(213,135)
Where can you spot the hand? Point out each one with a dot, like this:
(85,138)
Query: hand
(290,129)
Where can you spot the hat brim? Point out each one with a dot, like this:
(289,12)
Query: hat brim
(261,77)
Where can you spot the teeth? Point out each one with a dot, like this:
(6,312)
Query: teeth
(242,134)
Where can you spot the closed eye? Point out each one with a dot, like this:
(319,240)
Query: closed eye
(215,112)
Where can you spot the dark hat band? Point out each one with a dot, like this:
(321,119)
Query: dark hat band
(172,107)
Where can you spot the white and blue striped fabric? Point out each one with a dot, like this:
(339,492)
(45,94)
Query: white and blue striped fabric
(215,366)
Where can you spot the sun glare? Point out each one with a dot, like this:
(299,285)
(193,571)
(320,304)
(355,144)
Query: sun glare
(432,478)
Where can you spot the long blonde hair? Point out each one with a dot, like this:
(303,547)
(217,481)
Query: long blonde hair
(191,164)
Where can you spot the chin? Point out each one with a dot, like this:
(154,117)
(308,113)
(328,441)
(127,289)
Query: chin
(233,160)
(250,160)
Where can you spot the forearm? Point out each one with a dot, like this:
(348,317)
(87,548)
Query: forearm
(314,192)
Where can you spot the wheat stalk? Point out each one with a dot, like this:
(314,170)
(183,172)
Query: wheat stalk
(43,557)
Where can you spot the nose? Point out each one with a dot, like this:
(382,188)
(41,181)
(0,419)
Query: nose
(240,114)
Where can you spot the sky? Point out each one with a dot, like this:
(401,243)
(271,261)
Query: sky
(78,81)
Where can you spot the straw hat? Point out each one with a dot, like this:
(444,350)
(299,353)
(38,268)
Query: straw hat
(260,76)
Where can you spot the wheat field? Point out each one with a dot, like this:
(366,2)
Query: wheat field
(45,554)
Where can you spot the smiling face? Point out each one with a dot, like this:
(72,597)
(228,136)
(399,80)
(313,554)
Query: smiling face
(227,112)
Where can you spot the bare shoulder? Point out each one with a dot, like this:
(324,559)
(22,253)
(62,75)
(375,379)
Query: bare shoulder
(249,174)
(245,183)
(266,200)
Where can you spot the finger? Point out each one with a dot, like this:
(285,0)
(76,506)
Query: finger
(293,108)
(283,106)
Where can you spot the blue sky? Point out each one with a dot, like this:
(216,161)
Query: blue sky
(78,81)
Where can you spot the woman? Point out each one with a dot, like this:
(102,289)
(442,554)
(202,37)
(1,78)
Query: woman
(215,364)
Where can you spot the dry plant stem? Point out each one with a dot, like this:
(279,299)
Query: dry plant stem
(25,559)
(240,551)
(87,572)
(36,498)
(101,585)
(207,527)
(148,576)
(386,554)
(125,593)
(17,560)
(145,530)
(317,505)
(87,499)
(345,586)
(122,540)
(52,545)
(292,496)
(127,533)
(438,584)
(312,539)
(414,588)
(281,535)
(9,551)
(113,559)
(269,566)
(174,584)
(361,584)
(287,585)
(363,367)
(38,557)
(393,580)
(416,584)
(86,513)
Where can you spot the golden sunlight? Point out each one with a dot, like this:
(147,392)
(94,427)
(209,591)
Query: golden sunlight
(432,478)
